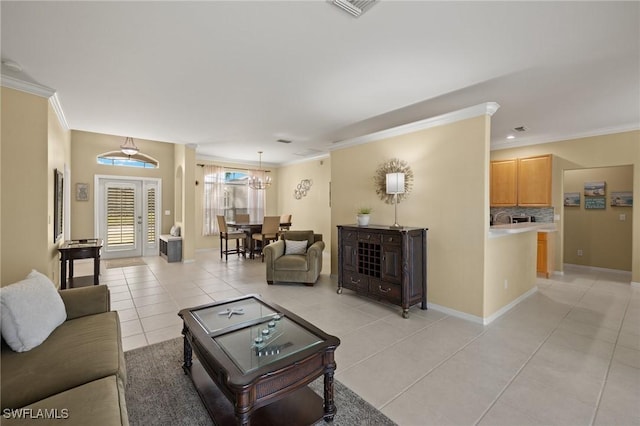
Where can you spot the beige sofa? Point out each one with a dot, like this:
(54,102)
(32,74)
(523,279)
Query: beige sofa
(77,375)
(301,268)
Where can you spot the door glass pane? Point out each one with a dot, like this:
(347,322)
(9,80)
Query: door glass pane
(151,215)
(120,216)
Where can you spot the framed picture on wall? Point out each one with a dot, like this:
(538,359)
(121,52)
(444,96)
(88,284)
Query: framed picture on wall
(594,189)
(82,192)
(572,199)
(593,203)
(58,192)
(622,199)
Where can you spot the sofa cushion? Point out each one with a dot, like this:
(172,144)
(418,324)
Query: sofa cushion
(30,309)
(77,352)
(100,402)
(295,247)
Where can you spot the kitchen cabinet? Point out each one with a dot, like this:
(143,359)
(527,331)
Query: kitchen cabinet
(384,264)
(504,176)
(524,182)
(534,181)
(545,263)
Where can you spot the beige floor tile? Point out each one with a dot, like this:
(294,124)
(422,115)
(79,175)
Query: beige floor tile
(588,330)
(157,322)
(621,394)
(180,293)
(503,414)
(127,314)
(163,334)
(193,301)
(629,340)
(158,308)
(130,328)
(134,342)
(627,356)
(147,291)
(121,305)
(116,297)
(150,300)
(145,284)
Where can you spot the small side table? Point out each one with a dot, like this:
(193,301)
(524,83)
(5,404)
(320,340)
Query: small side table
(79,249)
(170,248)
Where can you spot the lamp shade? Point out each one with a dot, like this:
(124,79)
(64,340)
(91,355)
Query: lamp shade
(395,183)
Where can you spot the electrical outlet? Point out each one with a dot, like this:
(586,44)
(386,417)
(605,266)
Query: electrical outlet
(506,284)
(580,252)
(622,217)
(167,212)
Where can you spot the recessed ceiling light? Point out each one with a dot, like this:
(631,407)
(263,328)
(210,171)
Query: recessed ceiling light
(511,137)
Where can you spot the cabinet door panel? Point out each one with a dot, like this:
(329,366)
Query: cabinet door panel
(350,255)
(391,270)
(534,181)
(384,290)
(504,183)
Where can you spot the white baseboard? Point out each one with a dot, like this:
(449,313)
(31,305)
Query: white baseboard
(596,268)
(635,284)
(479,320)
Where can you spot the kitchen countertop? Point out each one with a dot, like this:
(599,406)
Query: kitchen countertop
(517,228)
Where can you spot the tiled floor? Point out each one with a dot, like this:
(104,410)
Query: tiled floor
(567,355)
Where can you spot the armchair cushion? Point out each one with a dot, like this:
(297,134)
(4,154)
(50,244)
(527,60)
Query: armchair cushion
(295,247)
(299,236)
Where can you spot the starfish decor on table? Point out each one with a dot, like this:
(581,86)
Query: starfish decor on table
(230,312)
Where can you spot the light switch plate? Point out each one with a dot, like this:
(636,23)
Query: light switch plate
(167,212)
(622,217)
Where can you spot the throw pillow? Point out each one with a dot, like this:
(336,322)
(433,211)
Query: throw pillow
(295,247)
(30,310)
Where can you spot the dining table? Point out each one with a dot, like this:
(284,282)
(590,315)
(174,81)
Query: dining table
(249,229)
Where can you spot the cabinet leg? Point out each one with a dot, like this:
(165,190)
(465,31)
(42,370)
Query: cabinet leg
(405,313)
(339,290)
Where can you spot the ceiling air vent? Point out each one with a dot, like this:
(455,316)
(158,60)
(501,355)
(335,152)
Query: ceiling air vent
(354,7)
(520,129)
(283,141)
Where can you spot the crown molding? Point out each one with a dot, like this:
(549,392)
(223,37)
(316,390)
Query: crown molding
(496,146)
(27,86)
(317,157)
(37,90)
(57,108)
(487,108)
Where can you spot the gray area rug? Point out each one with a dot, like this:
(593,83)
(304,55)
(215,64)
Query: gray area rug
(159,393)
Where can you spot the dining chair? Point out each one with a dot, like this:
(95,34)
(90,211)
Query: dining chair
(242,218)
(269,232)
(285,222)
(226,235)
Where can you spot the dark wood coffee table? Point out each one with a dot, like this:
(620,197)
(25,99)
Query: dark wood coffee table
(254,361)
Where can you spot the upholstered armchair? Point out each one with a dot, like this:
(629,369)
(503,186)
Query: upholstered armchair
(300,261)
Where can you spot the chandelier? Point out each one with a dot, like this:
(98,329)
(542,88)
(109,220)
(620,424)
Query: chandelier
(129,148)
(260,180)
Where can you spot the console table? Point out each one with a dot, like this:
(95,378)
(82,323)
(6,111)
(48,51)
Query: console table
(79,249)
(384,263)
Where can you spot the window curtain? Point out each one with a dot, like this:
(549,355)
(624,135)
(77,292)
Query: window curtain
(256,202)
(213,200)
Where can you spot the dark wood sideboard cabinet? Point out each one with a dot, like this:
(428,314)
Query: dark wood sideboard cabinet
(384,263)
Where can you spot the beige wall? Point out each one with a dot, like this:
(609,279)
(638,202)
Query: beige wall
(312,211)
(604,239)
(450,197)
(33,145)
(599,151)
(85,148)
(185,200)
(511,271)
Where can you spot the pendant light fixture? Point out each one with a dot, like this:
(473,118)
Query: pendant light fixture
(260,180)
(129,148)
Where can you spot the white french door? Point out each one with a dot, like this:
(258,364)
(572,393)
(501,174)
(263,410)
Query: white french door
(128,216)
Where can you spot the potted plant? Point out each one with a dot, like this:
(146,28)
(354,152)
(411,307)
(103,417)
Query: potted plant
(364,215)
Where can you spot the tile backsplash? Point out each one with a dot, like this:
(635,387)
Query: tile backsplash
(542,214)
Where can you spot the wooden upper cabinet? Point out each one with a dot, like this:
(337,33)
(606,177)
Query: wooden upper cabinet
(504,179)
(534,181)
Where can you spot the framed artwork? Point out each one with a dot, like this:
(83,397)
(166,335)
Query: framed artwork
(594,189)
(572,199)
(82,192)
(58,218)
(593,203)
(622,199)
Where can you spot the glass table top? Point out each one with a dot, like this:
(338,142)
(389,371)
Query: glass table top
(253,334)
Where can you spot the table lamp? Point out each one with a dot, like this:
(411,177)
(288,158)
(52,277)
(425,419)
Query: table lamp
(395,186)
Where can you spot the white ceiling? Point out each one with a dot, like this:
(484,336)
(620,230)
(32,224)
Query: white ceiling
(233,77)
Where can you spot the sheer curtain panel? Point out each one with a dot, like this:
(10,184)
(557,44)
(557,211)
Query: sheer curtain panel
(213,200)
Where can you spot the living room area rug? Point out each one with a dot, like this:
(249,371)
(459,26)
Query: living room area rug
(158,392)
(124,262)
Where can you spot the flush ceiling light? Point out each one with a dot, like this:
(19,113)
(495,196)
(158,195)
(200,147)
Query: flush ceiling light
(511,137)
(129,148)
(259,179)
(354,7)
